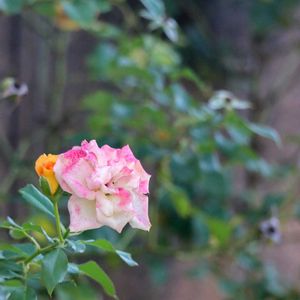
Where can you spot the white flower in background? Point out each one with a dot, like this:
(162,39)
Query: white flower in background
(271,229)
(12,89)
(226,100)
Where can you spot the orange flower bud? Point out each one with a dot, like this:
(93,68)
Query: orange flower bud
(44,168)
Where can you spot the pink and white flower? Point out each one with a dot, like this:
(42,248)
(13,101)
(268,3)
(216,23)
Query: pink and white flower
(108,186)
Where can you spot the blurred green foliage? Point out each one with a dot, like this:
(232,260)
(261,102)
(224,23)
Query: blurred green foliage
(196,143)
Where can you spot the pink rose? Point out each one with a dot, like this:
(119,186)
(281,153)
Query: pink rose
(108,187)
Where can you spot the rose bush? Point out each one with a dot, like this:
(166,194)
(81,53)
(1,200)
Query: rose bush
(108,187)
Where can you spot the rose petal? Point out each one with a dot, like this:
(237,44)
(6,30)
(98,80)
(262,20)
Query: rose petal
(71,171)
(99,177)
(141,218)
(82,214)
(111,214)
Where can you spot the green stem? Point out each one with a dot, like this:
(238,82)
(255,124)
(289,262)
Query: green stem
(66,234)
(38,252)
(33,240)
(57,221)
(126,239)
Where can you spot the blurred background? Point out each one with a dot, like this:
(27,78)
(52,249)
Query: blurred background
(206,93)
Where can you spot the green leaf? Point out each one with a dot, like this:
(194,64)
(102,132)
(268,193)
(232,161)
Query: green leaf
(77,246)
(28,248)
(14,283)
(34,197)
(180,200)
(69,291)
(100,101)
(237,128)
(16,231)
(221,229)
(5,225)
(260,166)
(170,28)
(11,6)
(266,132)
(188,74)
(73,268)
(181,97)
(127,258)
(8,269)
(101,61)
(54,269)
(13,249)
(29,228)
(44,8)
(102,244)
(85,12)
(210,163)
(12,222)
(17,234)
(107,246)
(44,186)
(155,9)
(82,12)
(94,271)
(26,293)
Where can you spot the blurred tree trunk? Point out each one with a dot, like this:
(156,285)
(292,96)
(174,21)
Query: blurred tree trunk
(13,132)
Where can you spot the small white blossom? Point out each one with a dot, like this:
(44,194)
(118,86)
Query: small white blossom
(226,100)
(271,229)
